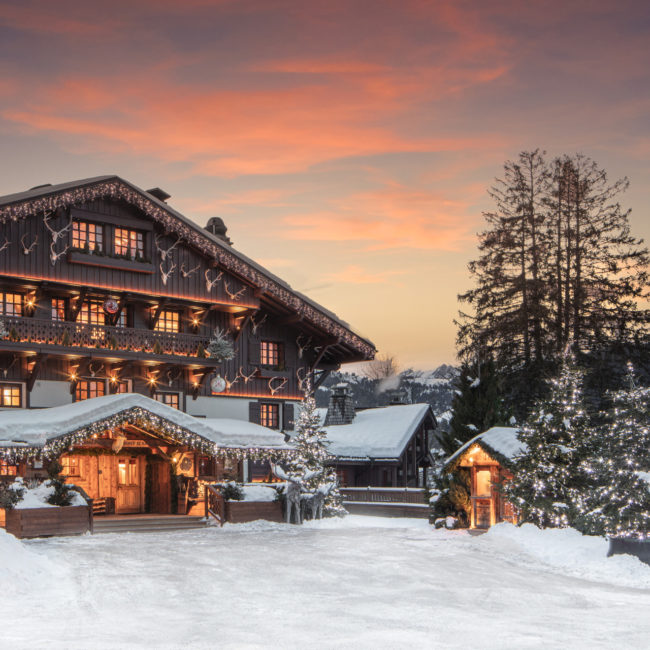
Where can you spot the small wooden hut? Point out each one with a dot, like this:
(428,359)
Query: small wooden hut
(488,457)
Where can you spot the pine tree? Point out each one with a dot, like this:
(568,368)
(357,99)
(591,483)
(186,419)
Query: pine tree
(477,405)
(309,465)
(557,263)
(619,502)
(548,481)
(220,347)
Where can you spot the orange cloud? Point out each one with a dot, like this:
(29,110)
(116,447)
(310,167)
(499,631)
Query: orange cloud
(355,274)
(392,218)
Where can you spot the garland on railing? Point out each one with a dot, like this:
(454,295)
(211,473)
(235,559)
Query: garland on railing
(115,188)
(145,420)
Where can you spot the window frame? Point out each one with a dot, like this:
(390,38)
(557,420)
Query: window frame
(161,395)
(132,242)
(270,415)
(88,380)
(17,306)
(271,354)
(166,320)
(11,385)
(87,241)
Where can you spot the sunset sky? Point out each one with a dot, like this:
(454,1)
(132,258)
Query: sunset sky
(348,145)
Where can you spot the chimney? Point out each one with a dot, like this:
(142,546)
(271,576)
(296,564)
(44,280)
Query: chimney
(340,409)
(397,396)
(218,228)
(161,195)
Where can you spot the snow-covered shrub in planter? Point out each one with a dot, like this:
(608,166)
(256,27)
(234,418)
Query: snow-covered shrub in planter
(231,491)
(11,494)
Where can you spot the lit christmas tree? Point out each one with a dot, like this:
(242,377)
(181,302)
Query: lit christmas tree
(548,481)
(309,464)
(617,462)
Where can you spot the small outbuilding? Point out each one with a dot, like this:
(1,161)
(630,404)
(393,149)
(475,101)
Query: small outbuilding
(380,447)
(489,459)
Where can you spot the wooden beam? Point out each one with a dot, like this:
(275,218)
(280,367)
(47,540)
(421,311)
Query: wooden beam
(120,306)
(290,320)
(244,325)
(156,314)
(73,311)
(197,387)
(325,347)
(38,364)
(322,376)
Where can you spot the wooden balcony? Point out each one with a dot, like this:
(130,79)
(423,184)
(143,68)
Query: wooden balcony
(52,337)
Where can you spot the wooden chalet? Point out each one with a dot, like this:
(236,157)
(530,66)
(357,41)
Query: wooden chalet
(488,457)
(105,290)
(378,447)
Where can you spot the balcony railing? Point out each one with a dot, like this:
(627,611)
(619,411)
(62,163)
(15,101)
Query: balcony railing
(104,337)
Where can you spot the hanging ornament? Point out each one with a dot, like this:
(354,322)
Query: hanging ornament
(218,384)
(111,306)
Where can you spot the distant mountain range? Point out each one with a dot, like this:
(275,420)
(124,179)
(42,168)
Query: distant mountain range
(435,387)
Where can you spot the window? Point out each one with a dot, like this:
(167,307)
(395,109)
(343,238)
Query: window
(129,242)
(127,471)
(70,466)
(269,353)
(58,309)
(10,395)
(92,313)
(121,386)
(171,399)
(11,304)
(87,236)
(89,388)
(169,321)
(7,470)
(483,483)
(270,415)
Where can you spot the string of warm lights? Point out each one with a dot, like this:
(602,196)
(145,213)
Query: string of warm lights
(117,189)
(145,420)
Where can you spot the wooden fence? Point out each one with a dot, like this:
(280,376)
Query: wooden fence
(385,502)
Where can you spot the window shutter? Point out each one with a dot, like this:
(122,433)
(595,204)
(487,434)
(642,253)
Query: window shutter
(254,352)
(287,417)
(254,412)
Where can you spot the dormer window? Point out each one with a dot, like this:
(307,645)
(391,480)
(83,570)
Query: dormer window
(129,243)
(87,236)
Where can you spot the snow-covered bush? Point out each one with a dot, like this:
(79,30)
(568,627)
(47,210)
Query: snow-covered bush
(11,494)
(450,523)
(231,491)
(220,347)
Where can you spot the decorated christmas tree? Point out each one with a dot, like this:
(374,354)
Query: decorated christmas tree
(618,462)
(549,479)
(309,463)
(220,347)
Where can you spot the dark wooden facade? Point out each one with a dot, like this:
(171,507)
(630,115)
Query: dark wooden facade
(62,332)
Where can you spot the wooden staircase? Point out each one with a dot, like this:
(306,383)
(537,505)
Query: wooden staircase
(146,523)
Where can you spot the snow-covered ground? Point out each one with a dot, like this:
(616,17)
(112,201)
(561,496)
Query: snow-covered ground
(361,582)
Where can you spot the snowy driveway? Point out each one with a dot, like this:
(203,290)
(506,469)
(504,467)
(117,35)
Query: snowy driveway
(357,583)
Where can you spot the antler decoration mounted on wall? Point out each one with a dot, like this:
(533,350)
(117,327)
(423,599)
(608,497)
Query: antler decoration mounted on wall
(56,234)
(302,379)
(233,295)
(28,249)
(164,253)
(94,371)
(302,344)
(164,275)
(274,389)
(54,256)
(246,377)
(5,245)
(231,383)
(186,274)
(209,284)
(255,325)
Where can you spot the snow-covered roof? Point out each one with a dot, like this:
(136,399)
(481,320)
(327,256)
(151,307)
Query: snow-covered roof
(501,441)
(375,433)
(36,427)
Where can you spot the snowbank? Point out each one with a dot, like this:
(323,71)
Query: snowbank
(569,551)
(21,569)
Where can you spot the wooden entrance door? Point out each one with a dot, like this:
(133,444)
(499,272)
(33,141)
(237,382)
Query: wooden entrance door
(161,490)
(129,485)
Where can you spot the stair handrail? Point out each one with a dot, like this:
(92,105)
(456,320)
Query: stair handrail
(215,504)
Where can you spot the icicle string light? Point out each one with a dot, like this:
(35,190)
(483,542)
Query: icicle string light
(145,420)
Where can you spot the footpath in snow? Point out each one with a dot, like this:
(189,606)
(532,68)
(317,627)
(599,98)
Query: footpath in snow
(361,582)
